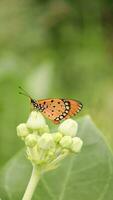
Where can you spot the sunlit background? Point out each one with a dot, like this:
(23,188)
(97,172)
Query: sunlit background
(55,48)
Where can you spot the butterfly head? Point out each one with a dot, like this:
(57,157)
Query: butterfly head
(34,103)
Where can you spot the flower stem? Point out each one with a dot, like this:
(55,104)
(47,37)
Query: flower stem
(35,176)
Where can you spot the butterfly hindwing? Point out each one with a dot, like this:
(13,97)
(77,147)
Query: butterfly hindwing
(75,107)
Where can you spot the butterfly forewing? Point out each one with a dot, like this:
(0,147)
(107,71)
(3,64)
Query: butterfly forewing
(52,108)
(58,109)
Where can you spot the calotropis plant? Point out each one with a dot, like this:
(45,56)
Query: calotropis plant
(44,149)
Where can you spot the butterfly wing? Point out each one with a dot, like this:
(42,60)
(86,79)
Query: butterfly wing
(52,108)
(58,109)
(75,107)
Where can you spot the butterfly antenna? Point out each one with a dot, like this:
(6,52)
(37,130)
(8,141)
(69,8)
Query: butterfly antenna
(24,92)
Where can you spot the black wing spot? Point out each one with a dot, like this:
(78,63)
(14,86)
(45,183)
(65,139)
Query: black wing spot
(58,102)
(52,111)
(54,106)
(52,101)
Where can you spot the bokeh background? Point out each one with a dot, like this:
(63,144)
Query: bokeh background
(55,48)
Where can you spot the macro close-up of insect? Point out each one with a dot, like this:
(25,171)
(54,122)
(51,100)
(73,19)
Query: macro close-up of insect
(56,61)
(55,109)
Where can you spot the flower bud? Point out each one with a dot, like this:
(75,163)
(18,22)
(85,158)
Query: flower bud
(22,130)
(57,137)
(68,127)
(76,144)
(31,140)
(65,151)
(50,156)
(44,129)
(66,141)
(35,121)
(46,150)
(46,141)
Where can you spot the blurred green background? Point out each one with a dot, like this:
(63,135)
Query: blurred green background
(55,48)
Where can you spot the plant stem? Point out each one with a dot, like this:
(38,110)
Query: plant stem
(35,176)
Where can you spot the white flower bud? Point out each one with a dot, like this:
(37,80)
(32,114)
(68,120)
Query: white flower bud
(50,155)
(46,141)
(76,144)
(35,120)
(46,150)
(22,130)
(44,129)
(68,127)
(57,137)
(65,151)
(31,140)
(66,141)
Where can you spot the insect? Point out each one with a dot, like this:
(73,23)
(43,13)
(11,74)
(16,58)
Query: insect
(55,109)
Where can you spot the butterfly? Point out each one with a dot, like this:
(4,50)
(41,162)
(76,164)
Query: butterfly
(55,109)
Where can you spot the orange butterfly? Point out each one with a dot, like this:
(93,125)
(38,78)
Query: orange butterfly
(55,109)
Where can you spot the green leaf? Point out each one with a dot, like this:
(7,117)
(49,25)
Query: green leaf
(87,176)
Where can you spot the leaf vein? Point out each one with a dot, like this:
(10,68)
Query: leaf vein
(66,180)
(48,189)
(106,186)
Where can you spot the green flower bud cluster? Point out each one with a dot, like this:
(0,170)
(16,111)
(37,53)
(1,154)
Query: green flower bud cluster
(44,149)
